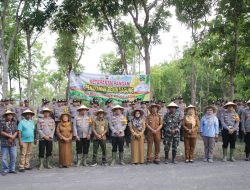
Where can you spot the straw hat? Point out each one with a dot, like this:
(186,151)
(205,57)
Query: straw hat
(117,107)
(190,106)
(46,110)
(210,107)
(100,111)
(230,104)
(28,111)
(172,104)
(154,105)
(82,107)
(9,112)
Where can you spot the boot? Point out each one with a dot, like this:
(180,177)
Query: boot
(247,157)
(85,160)
(232,155)
(224,154)
(166,157)
(41,164)
(48,161)
(121,158)
(79,160)
(113,162)
(173,157)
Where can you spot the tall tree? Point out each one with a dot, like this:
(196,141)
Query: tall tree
(194,14)
(35,19)
(7,8)
(149,17)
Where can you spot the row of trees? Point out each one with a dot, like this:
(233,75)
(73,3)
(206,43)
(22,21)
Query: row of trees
(220,47)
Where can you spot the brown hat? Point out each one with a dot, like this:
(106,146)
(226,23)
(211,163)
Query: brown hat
(28,111)
(154,105)
(210,107)
(9,112)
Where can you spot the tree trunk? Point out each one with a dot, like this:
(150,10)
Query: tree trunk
(147,59)
(5,76)
(68,83)
(10,88)
(28,40)
(193,84)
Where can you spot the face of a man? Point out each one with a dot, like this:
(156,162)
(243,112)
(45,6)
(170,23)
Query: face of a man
(172,109)
(46,114)
(230,108)
(28,116)
(118,111)
(101,115)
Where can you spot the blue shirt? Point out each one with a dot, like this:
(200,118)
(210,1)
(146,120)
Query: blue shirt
(27,129)
(209,126)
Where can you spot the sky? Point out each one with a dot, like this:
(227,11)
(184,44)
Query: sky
(99,44)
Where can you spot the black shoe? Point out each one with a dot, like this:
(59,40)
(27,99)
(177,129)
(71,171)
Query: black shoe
(28,168)
(21,170)
(156,162)
(149,162)
(12,172)
(191,161)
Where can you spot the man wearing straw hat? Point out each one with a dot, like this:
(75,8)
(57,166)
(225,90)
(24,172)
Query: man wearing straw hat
(154,125)
(117,127)
(26,136)
(82,132)
(172,124)
(100,129)
(46,129)
(230,123)
(246,129)
(8,133)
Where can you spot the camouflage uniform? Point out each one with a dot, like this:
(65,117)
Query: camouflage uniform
(171,122)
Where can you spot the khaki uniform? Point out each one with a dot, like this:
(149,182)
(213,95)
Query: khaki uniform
(153,121)
(137,127)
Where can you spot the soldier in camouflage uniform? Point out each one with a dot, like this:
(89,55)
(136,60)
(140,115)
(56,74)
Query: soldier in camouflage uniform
(171,124)
(108,109)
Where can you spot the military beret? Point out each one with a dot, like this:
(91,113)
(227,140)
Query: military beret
(143,102)
(26,101)
(109,100)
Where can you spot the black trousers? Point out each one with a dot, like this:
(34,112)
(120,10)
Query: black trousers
(82,146)
(228,139)
(247,143)
(45,145)
(127,134)
(117,142)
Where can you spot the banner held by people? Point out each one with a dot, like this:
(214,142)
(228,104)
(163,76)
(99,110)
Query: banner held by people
(118,87)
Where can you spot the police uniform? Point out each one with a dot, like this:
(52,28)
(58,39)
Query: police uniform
(229,121)
(245,118)
(117,126)
(172,124)
(82,131)
(46,128)
(126,113)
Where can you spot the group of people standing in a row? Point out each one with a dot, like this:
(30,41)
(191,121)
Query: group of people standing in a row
(133,122)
